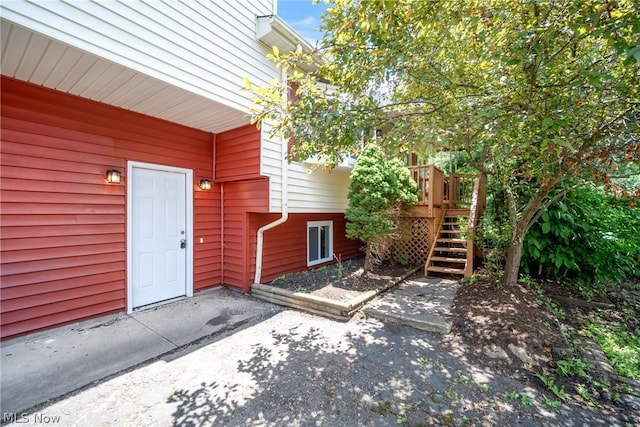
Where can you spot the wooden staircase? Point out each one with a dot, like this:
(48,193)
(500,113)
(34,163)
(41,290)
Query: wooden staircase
(451,252)
(452,248)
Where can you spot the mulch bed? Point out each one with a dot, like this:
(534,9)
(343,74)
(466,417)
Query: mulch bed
(488,315)
(485,314)
(342,281)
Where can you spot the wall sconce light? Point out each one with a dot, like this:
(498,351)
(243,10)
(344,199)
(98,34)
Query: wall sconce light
(114,176)
(205,184)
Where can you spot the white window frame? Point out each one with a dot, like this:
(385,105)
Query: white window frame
(319,224)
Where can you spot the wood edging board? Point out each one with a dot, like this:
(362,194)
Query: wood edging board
(582,303)
(320,305)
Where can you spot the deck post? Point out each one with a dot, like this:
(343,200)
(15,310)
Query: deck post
(471,228)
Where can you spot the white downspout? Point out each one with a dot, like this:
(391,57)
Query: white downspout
(284,199)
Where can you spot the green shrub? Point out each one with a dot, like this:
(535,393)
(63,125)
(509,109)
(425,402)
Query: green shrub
(494,234)
(589,236)
(378,184)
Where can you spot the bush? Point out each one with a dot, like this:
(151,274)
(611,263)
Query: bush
(494,233)
(589,236)
(377,185)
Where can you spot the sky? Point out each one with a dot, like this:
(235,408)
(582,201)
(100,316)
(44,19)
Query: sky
(303,16)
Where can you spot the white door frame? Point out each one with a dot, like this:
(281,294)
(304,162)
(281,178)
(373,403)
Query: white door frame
(188,232)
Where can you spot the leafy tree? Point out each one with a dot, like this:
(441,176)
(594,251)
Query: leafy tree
(377,186)
(542,95)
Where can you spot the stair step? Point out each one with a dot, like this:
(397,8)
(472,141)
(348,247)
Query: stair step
(456,250)
(446,270)
(456,213)
(453,231)
(452,240)
(449,259)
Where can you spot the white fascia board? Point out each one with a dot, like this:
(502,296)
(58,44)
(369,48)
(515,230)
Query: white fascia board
(347,163)
(272,30)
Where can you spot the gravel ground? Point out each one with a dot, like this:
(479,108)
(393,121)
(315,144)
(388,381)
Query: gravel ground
(297,369)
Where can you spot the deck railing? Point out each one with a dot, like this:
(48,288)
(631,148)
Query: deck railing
(420,175)
(459,190)
(448,192)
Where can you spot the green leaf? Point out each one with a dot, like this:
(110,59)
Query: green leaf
(568,263)
(247,83)
(563,143)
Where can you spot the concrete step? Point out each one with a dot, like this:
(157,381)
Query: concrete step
(422,303)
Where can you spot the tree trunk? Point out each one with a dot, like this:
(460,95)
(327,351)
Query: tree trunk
(512,266)
(520,222)
(367,258)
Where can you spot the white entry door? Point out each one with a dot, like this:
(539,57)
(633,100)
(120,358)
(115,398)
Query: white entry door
(158,235)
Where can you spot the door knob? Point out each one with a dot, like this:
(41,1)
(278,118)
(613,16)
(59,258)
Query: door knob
(183,243)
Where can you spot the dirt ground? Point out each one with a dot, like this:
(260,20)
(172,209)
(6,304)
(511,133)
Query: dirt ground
(485,314)
(488,320)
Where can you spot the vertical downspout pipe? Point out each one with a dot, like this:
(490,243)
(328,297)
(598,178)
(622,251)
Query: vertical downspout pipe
(284,199)
(222,232)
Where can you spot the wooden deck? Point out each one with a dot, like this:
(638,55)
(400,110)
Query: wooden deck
(440,191)
(452,206)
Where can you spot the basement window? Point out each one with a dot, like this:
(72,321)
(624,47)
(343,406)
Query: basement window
(319,242)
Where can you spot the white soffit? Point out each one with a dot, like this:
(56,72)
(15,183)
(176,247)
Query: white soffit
(32,57)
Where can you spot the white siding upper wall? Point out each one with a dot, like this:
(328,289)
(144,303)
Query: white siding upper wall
(271,166)
(308,190)
(203,47)
(318,191)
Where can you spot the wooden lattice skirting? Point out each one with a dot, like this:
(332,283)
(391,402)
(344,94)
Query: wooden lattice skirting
(411,240)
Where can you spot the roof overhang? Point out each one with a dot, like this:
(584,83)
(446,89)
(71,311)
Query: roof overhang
(271,31)
(42,60)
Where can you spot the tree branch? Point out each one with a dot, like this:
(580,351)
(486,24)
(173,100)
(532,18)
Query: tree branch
(552,200)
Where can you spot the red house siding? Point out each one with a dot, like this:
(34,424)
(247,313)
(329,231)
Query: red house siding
(237,170)
(207,269)
(237,155)
(285,246)
(63,227)
(240,198)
